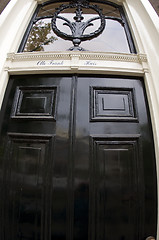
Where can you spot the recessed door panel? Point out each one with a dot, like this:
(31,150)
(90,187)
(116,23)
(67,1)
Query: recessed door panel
(77,159)
(35,102)
(114,183)
(27,186)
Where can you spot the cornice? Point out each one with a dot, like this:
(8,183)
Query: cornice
(136,58)
(36,56)
(73,62)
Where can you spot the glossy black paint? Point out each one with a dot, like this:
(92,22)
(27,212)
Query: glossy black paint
(83,168)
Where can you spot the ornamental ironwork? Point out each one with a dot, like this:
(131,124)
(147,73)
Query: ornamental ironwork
(79,26)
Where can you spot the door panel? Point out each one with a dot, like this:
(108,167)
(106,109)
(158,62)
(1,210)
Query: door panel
(115,195)
(113,131)
(27,185)
(77,159)
(35,102)
(34,166)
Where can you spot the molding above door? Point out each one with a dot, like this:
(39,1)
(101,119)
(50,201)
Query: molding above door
(83,62)
(113,1)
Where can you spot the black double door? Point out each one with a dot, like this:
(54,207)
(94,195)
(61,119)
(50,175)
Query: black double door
(76,159)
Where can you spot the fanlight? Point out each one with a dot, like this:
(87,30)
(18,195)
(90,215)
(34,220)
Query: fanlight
(79,26)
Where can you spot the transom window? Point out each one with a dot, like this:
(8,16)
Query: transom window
(81,25)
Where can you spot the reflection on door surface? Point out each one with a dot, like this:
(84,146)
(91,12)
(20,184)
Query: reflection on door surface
(77,159)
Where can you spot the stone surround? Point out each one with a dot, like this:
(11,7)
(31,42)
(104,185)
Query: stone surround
(155,4)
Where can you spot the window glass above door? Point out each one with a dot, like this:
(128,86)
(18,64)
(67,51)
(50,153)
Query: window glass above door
(81,25)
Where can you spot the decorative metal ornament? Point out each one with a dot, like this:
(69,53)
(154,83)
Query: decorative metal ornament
(78,27)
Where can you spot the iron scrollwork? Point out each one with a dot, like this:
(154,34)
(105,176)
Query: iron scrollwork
(78,27)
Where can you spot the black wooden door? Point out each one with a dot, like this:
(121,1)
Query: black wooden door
(76,159)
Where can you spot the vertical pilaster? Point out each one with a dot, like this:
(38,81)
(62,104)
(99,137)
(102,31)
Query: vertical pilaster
(144,24)
(13,23)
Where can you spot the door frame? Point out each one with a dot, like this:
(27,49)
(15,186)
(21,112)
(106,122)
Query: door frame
(141,64)
(124,138)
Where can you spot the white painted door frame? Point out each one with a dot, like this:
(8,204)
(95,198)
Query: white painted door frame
(144,24)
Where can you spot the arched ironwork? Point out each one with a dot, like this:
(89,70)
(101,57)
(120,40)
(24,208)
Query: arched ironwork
(78,27)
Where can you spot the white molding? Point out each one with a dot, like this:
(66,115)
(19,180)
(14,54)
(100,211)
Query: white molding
(117,63)
(6,13)
(114,1)
(144,25)
(82,55)
(15,19)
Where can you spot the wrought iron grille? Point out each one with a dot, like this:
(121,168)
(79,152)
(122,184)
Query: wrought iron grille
(77,26)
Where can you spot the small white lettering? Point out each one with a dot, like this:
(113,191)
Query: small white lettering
(90,63)
(53,62)
(49,63)
(41,63)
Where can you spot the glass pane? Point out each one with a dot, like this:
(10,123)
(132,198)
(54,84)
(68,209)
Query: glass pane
(112,39)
